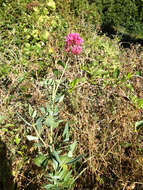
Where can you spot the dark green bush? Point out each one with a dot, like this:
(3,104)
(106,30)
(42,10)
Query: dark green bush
(124,15)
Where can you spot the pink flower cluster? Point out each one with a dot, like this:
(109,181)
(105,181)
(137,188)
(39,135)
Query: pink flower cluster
(73,43)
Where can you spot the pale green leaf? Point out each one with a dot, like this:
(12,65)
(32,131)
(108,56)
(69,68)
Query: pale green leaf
(66,133)
(2,118)
(31,138)
(138,125)
(50,122)
(34,114)
(39,125)
(39,160)
(72,147)
(30,110)
(42,110)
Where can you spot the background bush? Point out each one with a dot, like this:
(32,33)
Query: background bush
(124,15)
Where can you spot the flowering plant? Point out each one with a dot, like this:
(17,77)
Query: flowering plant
(73,43)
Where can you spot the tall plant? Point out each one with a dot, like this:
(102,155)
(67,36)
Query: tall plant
(55,152)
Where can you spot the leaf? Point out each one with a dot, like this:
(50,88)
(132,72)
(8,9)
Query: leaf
(129,75)
(9,125)
(50,82)
(50,122)
(20,79)
(59,99)
(72,147)
(56,156)
(51,4)
(116,73)
(39,160)
(31,138)
(61,63)
(138,73)
(4,130)
(130,87)
(64,159)
(45,163)
(100,72)
(74,83)
(138,125)
(39,125)
(42,110)
(63,173)
(44,35)
(56,72)
(126,144)
(17,139)
(49,186)
(34,114)
(56,111)
(48,107)
(30,110)
(67,177)
(55,164)
(20,153)
(75,159)
(95,63)
(140,102)
(2,118)
(38,144)
(66,133)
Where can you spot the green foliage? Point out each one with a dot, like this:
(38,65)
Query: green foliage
(59,153)
(84,10)
(138,125)
(80,10)
(27,26)
(106,64)
(124,15)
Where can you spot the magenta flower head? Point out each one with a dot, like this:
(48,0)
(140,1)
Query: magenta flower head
(76,49)
(73,43)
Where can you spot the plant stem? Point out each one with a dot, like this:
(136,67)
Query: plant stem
(55,89)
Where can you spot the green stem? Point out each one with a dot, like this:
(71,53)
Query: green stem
(55,89)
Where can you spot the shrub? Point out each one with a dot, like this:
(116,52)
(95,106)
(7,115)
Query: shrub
(124,15)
